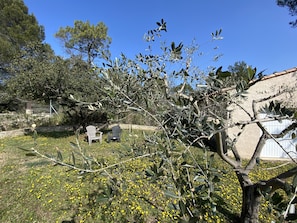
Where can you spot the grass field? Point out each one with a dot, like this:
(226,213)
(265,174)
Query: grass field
(33,189)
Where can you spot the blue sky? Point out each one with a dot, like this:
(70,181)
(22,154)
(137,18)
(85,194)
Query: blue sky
(254,31)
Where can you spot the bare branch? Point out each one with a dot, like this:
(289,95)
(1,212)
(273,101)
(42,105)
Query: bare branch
(256,154)
(243,109)
(291,127)
(90,170)
(244,123)
(269,97)
(236,154)
(278,182)
(234,163)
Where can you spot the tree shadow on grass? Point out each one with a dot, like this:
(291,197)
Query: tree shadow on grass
(68,221)
(59,134)
(222,207)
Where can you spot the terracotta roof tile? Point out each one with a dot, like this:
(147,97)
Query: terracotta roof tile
(276,74)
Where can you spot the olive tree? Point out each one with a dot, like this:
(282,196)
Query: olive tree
(196,119)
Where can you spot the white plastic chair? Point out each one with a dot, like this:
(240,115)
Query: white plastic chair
(93,134)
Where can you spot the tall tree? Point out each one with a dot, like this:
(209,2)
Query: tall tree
(239,73)
(17,29)
(90,41)
(239,68)
(292,6)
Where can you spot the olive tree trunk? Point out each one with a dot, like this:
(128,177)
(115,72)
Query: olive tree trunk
(251,200)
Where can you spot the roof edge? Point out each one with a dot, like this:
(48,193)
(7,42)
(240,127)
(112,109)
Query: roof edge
(277,74)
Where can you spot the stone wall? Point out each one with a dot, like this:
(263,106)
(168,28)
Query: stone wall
(12,120)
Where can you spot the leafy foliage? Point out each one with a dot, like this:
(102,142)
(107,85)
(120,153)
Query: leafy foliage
(292,7)
(276,109)
(151,34)
(18,29)
(242,74)
(192,118)
(90,41)
(48,77)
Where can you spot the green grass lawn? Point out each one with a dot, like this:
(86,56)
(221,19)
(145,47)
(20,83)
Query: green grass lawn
(33,189)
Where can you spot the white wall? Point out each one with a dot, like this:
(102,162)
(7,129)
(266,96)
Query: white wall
(248,140)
